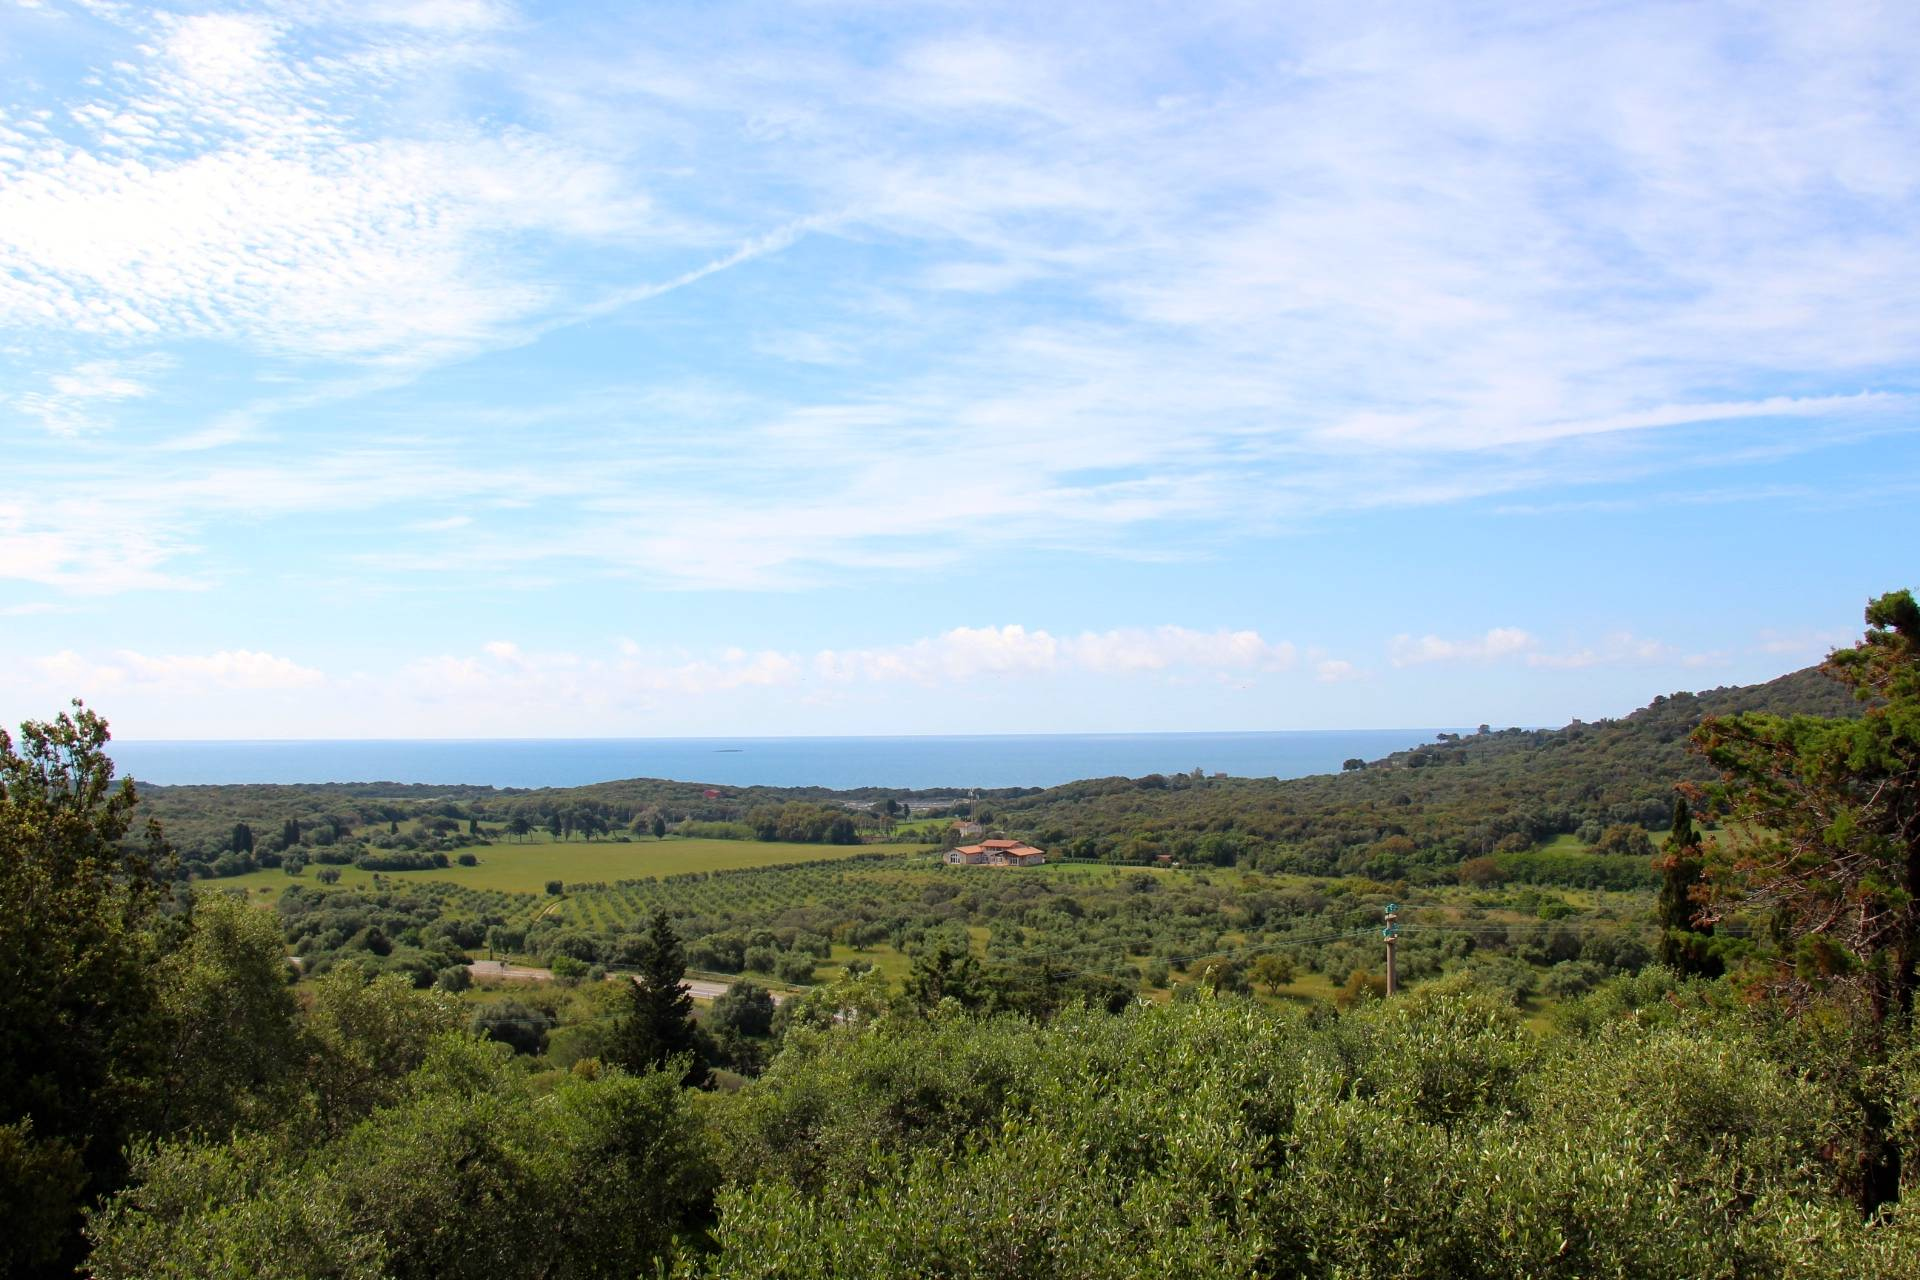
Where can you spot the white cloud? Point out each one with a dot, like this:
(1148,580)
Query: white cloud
(1500,642)
(1147,296)
(959,654)
(571,681)
(73,400)
(88,546)
(1336,671)
(1619,648)
(216,186)
(1512,644)
(1171,647)
(804,348)
(634,676)
(228,669)
(1806,645)
(967,652)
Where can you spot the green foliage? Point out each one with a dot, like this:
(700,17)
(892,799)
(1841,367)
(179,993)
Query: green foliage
(520,1027)
(1829,855)
(746,1009)
(417,930)
(1416,814)
(803,823)
(1685,941)
(1271,970)
(41,1181)
(946,969)
(1831,822)
(1014,1111)
(469,1174)
(366,1032)
(1579,870)
(657,1025)
(80,1015)
(231,1045)
(1426,1137)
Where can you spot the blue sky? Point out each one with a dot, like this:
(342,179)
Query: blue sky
(455,369)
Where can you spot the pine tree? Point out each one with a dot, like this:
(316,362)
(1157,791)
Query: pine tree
(1682,868)
(1830,859)
(658,1023)
(947,969)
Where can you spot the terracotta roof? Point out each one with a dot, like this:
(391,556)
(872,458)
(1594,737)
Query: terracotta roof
(1006,848)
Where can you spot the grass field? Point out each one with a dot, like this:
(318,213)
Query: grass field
(517,867)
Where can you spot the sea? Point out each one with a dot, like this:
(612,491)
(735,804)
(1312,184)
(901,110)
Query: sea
(905,763)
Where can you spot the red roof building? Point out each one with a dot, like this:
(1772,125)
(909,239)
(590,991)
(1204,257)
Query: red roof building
(996,853)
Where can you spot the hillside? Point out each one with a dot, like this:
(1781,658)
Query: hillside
(1428,807)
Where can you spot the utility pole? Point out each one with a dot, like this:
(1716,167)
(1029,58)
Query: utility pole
(1392,935)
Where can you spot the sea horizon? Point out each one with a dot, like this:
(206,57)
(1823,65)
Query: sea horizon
(840,762)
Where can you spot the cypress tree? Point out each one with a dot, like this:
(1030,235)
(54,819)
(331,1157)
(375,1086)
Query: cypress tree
(658,1023)
(1683,943)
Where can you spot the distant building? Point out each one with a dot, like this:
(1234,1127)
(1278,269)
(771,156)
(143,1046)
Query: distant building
(996,853)
(970,828)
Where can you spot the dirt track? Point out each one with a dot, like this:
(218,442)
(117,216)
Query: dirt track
(501,971)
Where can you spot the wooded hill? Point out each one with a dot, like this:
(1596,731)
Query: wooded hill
(1428,808)
(1416,814)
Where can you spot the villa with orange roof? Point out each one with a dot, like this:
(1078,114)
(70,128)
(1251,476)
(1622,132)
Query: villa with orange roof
(996,853)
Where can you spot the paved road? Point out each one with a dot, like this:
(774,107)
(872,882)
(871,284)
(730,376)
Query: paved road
(501,969)
(704,988)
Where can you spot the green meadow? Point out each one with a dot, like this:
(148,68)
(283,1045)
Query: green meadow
(516,866)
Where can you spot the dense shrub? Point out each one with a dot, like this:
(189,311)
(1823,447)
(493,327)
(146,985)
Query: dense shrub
(472,1175)
(1430,1136)
(400,861)
(520,1027)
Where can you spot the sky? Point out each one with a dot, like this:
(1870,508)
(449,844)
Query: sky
(446,368)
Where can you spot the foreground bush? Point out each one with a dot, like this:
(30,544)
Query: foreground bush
(1660,1132)
(473,1174)
(1431,1136)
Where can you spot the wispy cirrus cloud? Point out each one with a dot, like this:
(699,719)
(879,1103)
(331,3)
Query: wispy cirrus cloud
(1500,642)
(966,652)
(1158,298)
(217,185)
(228,669)
(1512,644)
(73,401)
(507,309)
(637,676)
